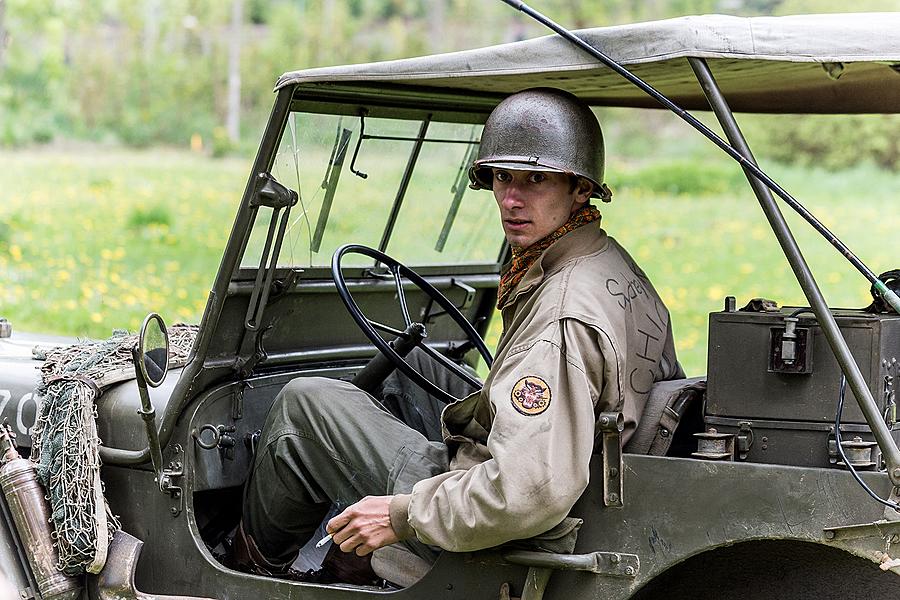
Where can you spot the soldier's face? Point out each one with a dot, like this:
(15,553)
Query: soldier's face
(534,204)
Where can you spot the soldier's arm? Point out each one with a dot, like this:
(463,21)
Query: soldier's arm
(541,441)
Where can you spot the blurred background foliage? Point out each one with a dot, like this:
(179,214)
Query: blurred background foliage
(182,72)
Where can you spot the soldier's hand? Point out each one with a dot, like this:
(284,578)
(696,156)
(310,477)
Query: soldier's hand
(364,526)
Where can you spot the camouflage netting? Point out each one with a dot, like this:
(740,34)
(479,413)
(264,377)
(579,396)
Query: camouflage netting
(65,443)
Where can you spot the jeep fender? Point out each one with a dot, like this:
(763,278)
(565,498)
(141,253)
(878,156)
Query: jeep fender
(116,580)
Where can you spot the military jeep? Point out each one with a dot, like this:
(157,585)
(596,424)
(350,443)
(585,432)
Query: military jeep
(741,487)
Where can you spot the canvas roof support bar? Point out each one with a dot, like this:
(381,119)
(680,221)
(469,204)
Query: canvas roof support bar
(889,296)
(803,273)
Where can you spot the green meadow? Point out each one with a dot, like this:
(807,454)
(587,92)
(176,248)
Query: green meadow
(93,238)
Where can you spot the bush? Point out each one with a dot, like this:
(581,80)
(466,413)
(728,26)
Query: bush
(222,145)
(5,234)
(682,178)
(141,217)
(830,142)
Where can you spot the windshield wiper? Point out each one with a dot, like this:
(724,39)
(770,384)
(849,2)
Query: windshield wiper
(330,181)
(404,184)
(458,189)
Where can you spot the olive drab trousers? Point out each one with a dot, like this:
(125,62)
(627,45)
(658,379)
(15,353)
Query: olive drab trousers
(327,443)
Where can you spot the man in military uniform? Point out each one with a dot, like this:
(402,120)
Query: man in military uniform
(584,332)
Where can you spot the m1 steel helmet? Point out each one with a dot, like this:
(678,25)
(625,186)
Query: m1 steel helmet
(542,129)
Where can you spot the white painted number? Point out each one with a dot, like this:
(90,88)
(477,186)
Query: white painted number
(21,427)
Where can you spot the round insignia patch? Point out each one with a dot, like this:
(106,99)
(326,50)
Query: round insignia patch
(530,395)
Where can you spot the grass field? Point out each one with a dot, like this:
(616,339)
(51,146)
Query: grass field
(92,239)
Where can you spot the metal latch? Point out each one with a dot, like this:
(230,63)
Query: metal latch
(611,426)
(790,349)
(468,289)
(890,369)
(745,440)
(428,316)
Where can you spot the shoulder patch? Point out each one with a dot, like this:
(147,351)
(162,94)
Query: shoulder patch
(530,395)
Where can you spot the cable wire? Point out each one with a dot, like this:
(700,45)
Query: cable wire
(840,449)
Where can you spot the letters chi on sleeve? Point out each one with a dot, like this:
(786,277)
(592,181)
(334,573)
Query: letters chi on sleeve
(531,395)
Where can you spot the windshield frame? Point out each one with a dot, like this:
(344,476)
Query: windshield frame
(374,102)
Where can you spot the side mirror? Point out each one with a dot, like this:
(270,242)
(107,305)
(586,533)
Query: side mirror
(151,363)
(154,350)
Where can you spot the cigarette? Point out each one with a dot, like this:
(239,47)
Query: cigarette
(323,541)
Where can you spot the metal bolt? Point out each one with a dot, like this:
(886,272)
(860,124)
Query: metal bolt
(614,497)
(629,571)
(896,473)
(829,535)
(614,559)
(174,511)
(613,472)
(765,439)
(449,586)
(604,421)
(664,432)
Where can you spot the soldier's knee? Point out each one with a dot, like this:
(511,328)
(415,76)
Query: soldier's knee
(305,399)
(305,389)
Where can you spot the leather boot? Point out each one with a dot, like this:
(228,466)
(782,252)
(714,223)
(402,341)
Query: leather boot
(246,557)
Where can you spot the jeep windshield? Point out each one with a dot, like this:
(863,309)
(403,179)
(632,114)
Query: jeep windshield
(395,180)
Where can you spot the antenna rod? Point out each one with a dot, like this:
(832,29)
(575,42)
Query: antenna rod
(889,296)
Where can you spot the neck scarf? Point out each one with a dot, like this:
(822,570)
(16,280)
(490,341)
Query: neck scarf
(523,258)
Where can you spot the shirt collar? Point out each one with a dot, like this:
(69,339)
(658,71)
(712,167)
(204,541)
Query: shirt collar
(577,243)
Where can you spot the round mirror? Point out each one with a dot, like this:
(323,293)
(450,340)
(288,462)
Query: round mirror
(154,345)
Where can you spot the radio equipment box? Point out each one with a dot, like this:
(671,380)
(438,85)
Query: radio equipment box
(774,383)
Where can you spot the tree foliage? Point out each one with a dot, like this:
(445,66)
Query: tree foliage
(156,71)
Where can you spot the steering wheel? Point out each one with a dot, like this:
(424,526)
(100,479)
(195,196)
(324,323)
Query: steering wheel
(414,332)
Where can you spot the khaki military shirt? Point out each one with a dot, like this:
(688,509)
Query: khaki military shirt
(584,333)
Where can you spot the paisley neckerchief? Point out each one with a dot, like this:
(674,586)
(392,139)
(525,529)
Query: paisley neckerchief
(522,259)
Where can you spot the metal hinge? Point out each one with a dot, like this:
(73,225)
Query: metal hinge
(170,480)
(611,426)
